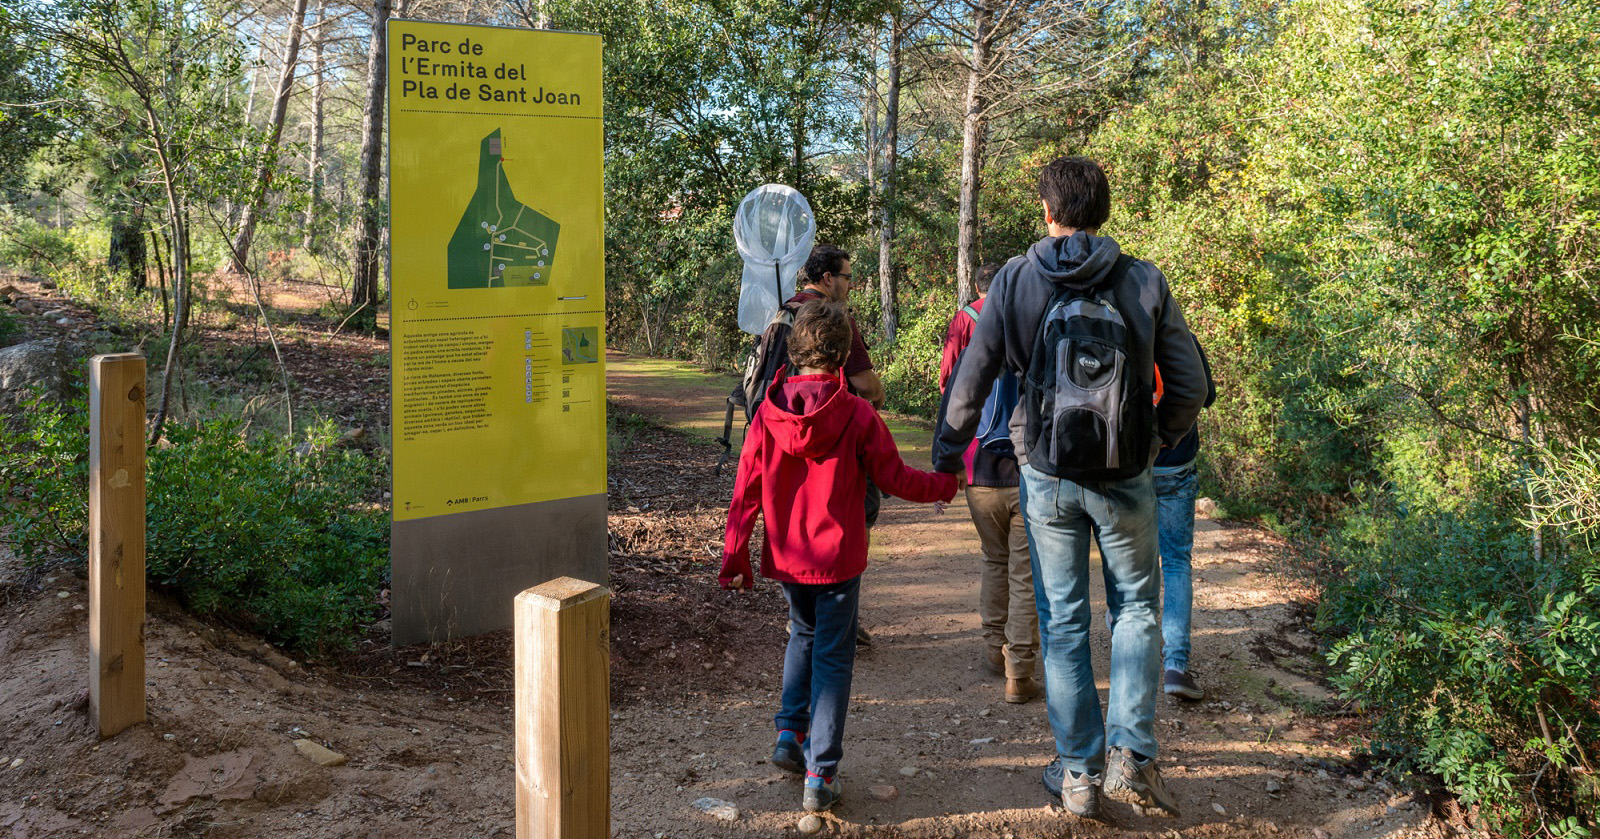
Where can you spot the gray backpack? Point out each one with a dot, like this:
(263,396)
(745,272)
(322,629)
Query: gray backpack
(1089,410)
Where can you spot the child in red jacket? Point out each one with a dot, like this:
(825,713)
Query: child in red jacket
(804,466)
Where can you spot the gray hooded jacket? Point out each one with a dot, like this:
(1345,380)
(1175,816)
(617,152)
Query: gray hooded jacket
(1006,332)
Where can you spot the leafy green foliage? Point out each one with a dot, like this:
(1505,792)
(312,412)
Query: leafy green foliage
(28,85)
(28,246)
(706,101)
(1476,654)
(44,480)
(10,329)
(911,374)
(274,535)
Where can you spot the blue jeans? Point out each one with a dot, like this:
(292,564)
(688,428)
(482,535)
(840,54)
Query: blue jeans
(817,666)
(1175,494)
(1061,516)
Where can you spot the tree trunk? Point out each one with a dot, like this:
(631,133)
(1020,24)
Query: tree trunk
(269,154)
(973,135)
(319,68)
(869,107)
(126,251)
(161,276)
(888,277)
(180,271)
(364,292)
(798,141)
(230,209)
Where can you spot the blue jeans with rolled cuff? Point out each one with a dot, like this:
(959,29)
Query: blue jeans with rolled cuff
(817,667)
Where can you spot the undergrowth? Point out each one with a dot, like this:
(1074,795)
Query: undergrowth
(275,534)
(1475,651)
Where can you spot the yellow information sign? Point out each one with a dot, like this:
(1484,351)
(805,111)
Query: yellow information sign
(497,266)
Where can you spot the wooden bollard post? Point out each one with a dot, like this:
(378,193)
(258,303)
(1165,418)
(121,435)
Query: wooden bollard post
(563,705)
(116,541)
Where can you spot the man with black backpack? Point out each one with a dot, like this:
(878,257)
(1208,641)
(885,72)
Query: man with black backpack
(1005,587)
(1085,326)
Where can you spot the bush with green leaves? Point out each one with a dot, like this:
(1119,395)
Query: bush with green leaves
(1475,652)
(274,534)
(10,329)
(31,247)
(911,371)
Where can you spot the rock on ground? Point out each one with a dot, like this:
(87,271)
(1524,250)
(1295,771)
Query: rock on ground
(717,808)
(36,364)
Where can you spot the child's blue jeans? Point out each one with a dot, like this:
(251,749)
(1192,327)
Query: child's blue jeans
(817,667)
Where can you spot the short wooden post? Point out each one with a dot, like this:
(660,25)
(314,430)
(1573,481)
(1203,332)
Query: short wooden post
(116,541)
(563,653)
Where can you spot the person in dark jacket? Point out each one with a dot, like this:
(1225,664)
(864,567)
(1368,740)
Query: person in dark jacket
(1177,483)
(804,468)
(1113,751)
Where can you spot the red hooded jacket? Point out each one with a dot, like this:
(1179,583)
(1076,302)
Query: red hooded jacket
(804,466)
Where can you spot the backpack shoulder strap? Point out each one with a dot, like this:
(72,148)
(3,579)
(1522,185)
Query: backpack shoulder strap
(1128,300)
(785,314)
(1114,277)
(970,312)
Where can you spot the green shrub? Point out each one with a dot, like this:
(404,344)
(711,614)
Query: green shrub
(1476,655)
(28,246)
(44,480)
(275,536)
(911,373)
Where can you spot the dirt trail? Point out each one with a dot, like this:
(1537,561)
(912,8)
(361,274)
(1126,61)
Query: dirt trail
(427,730)
(1256,758)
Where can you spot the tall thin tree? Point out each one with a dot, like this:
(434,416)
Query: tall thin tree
(319,88)
(364,290)
(267,160)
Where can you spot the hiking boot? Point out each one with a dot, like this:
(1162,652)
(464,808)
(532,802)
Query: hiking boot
(1080,794)
(1182,685)
(994,659)
(786,753)
(821,793)
(1021,691)
(1139,783)
(863,637)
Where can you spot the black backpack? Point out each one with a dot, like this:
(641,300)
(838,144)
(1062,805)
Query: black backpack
(1090,417)
(768,355)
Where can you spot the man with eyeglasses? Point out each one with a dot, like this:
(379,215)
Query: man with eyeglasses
(828,276)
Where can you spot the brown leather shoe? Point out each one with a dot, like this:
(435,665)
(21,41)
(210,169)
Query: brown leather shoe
(994,659)
(1021,691)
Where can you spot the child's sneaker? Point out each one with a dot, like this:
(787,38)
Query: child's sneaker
(786,753)
(821,793)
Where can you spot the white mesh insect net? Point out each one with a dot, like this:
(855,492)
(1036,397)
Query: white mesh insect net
(773,229)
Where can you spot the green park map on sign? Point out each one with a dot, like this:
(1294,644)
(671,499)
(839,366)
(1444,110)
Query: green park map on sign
(580,345)
(500,241)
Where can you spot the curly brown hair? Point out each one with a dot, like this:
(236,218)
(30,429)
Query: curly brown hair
(821,336)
